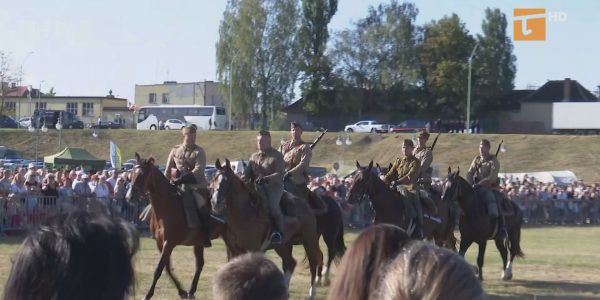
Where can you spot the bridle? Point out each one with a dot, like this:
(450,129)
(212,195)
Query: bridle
(366,188)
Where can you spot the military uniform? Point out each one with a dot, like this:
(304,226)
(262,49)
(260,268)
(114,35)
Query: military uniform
(185,160)
(425,156)
(485,171)
(408,166)
(269,165)
(483,175)
(296,155)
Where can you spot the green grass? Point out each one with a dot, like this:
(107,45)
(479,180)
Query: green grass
(560,263)
(524,152)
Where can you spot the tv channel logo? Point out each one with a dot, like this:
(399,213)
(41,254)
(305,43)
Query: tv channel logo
(530,23)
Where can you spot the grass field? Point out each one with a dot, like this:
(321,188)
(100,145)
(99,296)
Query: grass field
(524,152)
(560,263)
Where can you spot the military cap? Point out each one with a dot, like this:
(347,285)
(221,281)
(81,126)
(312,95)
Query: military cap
(296,125)
(408,142)
(264,133)
(189,128)
(485,143)
(423,133)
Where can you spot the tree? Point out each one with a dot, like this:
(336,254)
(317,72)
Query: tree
(494,66)
(314,64)
(379,54)
(5,77)
(444,53)
(257,47)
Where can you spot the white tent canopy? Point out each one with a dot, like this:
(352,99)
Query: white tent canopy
(558,177)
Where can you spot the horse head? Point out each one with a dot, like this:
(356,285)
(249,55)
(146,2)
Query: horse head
(455,187)
(140,179)
(222,184)
(361,183)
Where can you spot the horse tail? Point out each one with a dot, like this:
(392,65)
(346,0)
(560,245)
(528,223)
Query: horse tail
(517,231)
(340,248)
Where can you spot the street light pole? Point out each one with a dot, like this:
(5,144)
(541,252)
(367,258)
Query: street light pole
(468,125)
(230,91)
(59,127)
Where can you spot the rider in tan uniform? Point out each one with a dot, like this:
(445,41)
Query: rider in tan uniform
(483,175)
(405,173)
(296,155)
(185,168)
(266,168)
(425,156)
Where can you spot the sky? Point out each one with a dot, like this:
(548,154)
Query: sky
(88,47)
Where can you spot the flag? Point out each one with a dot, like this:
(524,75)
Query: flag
(115,156)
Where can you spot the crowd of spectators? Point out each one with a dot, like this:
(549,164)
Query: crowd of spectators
(32,190)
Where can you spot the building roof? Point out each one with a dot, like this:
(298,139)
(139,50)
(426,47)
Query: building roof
(19,91)
(512,99)
(294,108)
(566,90)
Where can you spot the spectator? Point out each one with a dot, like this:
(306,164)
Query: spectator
(5,183)
(33,191)
(75,256)
(82,188)
(100,189)
(65,193)
(361,267)
(247,277)
(424,271)
(18,185)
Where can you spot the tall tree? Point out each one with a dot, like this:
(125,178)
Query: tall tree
(379,53)
(257,54)
(494,65)
(314,64)
(444,57)
(5,77)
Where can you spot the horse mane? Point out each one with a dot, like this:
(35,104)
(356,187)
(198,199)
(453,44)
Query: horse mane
(254,201)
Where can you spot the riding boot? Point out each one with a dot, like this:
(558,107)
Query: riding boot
(502,234)
(418,234)
(277,232)
(205,220)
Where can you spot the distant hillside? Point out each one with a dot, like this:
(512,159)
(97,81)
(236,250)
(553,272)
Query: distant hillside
(580,154)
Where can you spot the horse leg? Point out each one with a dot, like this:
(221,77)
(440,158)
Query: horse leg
(504,254)
(464,246)
(315,261)
(480,257)
(174,279)
(288,263)
(199,254)
(164,256)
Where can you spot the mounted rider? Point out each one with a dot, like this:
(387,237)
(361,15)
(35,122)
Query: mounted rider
(185,169)
(404,174)
(483,175)
(425,156)
(297,155)
(266,169)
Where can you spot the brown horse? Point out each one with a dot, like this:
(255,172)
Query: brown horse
(438,228)
(388,204)
(476,226)
(248,227)
(167,223)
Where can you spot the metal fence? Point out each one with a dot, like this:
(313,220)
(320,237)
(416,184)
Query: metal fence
(22,212)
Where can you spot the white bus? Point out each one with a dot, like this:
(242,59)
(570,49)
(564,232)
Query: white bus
(204,117)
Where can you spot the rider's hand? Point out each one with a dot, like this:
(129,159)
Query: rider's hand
(261,180)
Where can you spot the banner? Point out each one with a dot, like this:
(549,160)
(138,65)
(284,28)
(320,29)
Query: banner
(115,156)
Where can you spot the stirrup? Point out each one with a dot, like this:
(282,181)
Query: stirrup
(276,238)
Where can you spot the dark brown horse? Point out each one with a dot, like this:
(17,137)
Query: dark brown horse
(476,226)
(167,223)
(331,226)
(439,228)
(248,227)
(388,204)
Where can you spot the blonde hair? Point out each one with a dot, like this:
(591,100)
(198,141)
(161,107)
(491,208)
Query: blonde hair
(424,271)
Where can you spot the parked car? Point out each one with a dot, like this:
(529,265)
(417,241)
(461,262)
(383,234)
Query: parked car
(25,122)
(209,172)
(69,120)
(8,122)
(174,124)
(106,125)
(366,126)
(408,126)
